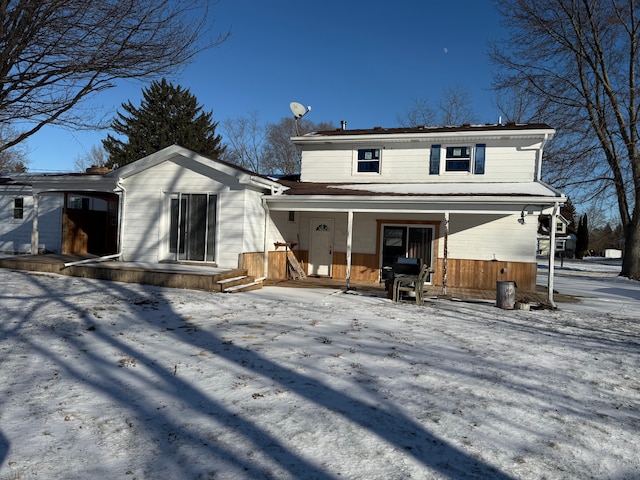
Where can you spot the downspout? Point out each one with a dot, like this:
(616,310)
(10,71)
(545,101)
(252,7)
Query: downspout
(552,255)
(539,167)
(349,242)
(446,246)
(265,259)
(121,210)
(35,235)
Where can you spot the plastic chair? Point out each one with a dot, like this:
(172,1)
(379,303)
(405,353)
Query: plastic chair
(411,283)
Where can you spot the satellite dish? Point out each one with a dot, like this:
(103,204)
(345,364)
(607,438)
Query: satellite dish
(298,109)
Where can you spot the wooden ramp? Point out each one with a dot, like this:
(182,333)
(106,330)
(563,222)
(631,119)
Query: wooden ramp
(294,270)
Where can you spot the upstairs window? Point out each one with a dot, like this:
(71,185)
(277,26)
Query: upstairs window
(458,158)
(369,160)
(18,208)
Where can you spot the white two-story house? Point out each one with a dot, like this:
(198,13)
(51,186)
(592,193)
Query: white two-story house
(463,200)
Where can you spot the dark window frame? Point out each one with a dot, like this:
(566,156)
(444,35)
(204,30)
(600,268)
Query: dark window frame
(368,160)
(18,208)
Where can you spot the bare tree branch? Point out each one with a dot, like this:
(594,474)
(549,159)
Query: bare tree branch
(54,55)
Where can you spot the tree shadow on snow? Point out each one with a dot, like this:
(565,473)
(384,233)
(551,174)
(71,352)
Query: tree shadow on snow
(135,391)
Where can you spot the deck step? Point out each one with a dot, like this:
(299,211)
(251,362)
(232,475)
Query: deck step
(239,283)
(245,287)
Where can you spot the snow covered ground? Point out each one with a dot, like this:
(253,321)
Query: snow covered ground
(105,380)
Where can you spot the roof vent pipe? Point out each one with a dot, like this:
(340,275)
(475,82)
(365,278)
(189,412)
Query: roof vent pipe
(343,124)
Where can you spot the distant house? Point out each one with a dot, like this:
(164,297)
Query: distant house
(463,200)
(565,236)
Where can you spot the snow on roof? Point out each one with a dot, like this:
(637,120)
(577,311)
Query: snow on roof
(529,188)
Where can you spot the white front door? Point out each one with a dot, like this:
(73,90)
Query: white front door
(321,250)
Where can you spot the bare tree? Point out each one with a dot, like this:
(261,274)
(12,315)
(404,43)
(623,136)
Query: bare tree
(96,157)
(280,155)
(577,62)
(245,138)
(266,148)
(57,53)
(453,108)
(12,159)
(420,113)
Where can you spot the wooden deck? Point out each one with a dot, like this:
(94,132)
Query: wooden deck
(201,277)
(173,275)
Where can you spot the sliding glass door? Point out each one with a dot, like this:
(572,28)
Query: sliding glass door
(192,227)
(406,241)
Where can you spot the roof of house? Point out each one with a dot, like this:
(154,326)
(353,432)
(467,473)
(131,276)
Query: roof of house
(465,128)
(421,189)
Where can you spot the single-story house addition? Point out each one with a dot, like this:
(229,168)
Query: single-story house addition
(463,200)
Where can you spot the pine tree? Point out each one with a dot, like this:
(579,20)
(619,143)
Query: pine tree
(582,240)
(168,115)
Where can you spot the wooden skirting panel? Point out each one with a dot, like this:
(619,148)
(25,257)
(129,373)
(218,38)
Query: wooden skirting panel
(364,267)
(483,275)
(473,274)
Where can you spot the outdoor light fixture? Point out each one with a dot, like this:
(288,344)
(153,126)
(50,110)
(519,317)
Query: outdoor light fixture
(521,219)
(522,213)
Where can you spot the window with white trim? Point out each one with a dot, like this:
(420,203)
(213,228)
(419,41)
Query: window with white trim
(457,159)
(368,160)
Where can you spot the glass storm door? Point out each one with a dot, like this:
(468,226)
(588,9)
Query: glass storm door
(192,227)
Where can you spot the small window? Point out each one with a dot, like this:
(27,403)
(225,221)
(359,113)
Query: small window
(559,227)
(434,160)
(458,159)
(369,160)
(292,216)
(18,208)
(462,159)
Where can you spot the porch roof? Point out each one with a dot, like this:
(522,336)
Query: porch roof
(416,197)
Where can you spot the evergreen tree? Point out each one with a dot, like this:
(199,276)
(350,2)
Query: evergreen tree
(167,115)
(582,241)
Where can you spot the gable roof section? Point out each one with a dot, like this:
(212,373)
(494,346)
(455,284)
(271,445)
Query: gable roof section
(166,154)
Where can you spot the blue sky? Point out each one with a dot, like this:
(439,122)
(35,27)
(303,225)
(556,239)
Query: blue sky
(355,60)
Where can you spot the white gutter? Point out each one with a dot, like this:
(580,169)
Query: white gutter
(274,187)
(539,166)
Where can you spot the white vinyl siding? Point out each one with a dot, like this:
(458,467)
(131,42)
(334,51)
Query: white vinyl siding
(482,237)
(15,234)
(146,222)
(510,160)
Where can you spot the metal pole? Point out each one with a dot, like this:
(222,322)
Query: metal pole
(446,246)
(552,255)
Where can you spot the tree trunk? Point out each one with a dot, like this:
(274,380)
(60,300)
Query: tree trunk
(631,258)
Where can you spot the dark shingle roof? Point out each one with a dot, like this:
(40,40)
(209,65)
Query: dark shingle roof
(442,129)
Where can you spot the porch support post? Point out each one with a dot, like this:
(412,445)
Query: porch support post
(349,242)
(552,254)
(35,235)
(265,259)
(446,253)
